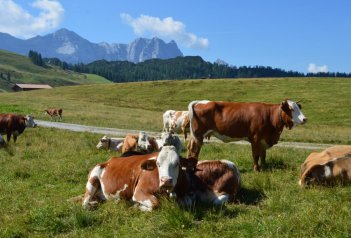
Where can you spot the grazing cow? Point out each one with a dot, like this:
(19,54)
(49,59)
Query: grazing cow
(54,112)
(108,143)
(259,123)
(180,123)
(140,178)
(141,142)
(2,141)
(327,167)
(13,124)
(215,181)
(167,119)
(168,138)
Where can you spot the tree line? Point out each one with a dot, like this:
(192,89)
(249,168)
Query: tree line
(189,67)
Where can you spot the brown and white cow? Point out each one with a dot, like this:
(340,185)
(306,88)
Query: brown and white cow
(327,167)
(180,123)
(140,178)
(215,181)
(259,123)
(110,143)
(141,142)
(54,112)
(13,124)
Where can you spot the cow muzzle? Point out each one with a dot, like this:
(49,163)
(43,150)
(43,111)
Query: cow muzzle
(166,184)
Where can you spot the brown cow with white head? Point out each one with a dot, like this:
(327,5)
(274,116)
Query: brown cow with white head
(139,178)
(259,123)
(13,124)
(327,167)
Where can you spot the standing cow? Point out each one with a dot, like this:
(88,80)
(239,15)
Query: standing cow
(13,124)
(259,123)
(54,112)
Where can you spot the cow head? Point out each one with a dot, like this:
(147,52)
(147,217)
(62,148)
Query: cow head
(293,115)
(30,121)
(143,142)
(104,143)
(168,164)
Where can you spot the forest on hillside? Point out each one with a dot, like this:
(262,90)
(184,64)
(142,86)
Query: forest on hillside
(189,67)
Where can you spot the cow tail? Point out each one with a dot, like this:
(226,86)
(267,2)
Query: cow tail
(191,116)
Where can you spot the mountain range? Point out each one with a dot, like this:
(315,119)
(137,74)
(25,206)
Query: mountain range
(68,46)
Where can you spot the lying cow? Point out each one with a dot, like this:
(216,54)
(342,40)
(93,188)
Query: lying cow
(168,138)
(108,143)
(327,167)
(54,112)
(259,123)
(13,124)
(215,181)
(141,142)
(138,178)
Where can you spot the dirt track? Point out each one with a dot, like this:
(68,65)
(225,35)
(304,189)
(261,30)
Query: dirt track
(122,132)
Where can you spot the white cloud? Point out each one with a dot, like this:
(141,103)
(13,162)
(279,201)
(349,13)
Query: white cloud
(313,68)
(20,23)
(166,28)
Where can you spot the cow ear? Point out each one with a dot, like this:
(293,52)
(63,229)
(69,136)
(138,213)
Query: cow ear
(284,105)
(148,165)
(189,163)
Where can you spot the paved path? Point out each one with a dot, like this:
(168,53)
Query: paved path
(121,133)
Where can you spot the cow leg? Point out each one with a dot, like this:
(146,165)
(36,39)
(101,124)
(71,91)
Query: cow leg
(147,202)
(93,192)
(263,158)
(8,136)
(256,155)
(194,147)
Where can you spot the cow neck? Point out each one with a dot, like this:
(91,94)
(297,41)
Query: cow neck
(281,122)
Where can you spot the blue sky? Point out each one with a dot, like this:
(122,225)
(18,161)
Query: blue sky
(301,35)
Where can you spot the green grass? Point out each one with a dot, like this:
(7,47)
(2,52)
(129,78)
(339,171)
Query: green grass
(47,167)
(23,71)
(140,106)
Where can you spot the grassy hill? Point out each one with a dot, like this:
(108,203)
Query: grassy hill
(140,106)
(47,167)
(16,68)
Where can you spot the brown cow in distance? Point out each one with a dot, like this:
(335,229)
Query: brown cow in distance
(54,112)
(141,142)
(13,124)
(259,123)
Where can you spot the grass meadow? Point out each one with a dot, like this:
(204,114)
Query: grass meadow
(47,167)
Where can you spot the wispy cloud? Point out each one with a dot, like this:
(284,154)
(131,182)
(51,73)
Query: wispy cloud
(20,23)
(313,68)
(166,28)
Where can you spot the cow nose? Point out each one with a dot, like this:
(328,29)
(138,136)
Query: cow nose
(166,182)
(304,120)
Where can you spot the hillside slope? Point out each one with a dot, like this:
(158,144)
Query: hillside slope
(19,69)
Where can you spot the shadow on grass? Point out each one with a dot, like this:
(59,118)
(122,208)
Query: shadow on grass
(275,165)
(250,196)
(9,149)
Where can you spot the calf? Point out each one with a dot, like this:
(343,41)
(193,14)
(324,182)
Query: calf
(13,124)
(141,142)
(140,178)
(215,181)
(108,143)
(327,167)
(54,112)
(259,123)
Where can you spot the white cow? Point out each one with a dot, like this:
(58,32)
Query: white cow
(108,143)
(168,138)
(167,120)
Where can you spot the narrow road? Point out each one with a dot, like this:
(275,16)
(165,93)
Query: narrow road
(122,132)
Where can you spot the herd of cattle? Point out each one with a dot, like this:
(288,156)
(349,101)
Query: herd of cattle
(151,166)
